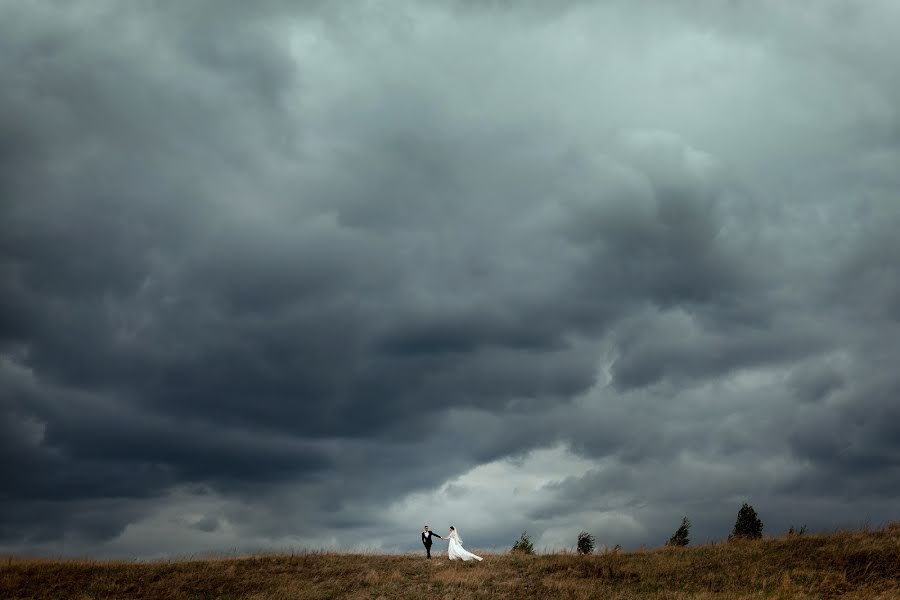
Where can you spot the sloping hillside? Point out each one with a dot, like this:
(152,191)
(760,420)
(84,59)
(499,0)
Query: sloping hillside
(860,564)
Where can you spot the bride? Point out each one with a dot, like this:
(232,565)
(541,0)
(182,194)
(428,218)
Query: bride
(455,550)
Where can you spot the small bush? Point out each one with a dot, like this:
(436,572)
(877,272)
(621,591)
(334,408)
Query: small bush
(795,531)
(585,543)
(680,537)
(523,545)
(747,524)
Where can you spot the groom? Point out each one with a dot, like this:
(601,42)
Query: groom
(426,540)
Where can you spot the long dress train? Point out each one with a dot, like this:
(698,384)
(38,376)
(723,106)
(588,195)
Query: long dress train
(456,551)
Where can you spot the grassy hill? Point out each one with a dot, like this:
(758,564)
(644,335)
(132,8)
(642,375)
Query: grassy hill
(859,564)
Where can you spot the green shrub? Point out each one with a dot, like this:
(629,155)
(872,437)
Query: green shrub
(680,537)
(523,545)
(747,524)
(585,543)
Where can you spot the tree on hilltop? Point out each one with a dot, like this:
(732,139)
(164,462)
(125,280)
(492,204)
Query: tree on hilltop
(523,545)
(680,537)
(747,524)
(585,543)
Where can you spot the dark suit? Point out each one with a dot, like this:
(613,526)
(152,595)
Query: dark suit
(426,541)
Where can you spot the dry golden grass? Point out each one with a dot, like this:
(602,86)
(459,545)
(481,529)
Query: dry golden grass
(861,564)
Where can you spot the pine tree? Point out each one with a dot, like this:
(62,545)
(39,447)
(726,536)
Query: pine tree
(680,537)
(747,524)
(585,543)
(523,545)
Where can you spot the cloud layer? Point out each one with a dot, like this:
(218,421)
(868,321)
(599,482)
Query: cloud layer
(312,276)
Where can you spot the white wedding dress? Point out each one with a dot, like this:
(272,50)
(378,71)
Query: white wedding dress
(455,550)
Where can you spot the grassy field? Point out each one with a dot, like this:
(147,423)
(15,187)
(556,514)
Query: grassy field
(857,564)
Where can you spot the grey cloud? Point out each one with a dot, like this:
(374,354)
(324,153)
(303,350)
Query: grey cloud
(815,382)
(677,345)
(280,260)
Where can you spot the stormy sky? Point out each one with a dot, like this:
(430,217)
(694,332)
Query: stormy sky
(279,274)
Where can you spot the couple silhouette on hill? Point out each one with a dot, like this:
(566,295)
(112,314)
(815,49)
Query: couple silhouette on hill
(455,550)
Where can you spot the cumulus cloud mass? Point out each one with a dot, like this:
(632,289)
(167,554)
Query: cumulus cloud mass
(278,274)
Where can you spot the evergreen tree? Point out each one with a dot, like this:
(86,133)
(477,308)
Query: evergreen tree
(747,524)
(585,543)
(523,545)
(680,537)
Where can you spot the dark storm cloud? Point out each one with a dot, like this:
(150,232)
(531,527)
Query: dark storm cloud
(277,269)
(674,346)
